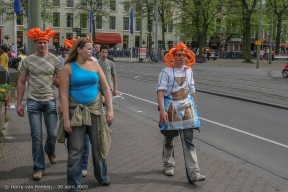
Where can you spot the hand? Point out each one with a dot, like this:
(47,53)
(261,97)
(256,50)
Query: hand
(163,117)
(103,99)
(109,116)
(20,110)
(67,126)
(59,108)
(114,93)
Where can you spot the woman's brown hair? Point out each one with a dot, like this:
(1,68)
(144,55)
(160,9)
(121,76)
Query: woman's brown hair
(73,54)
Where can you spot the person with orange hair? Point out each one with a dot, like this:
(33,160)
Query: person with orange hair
(41,69)
(178,114)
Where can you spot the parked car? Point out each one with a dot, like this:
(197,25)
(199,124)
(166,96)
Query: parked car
(285,71)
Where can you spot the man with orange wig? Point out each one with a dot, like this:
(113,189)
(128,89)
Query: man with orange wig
(41,69)
(178,114)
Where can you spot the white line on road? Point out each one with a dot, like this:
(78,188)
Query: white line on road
(226,126)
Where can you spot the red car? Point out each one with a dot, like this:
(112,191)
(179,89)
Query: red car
(285,71)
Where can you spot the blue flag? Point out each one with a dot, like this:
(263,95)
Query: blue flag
(131,22)
(17,6)
(91,20)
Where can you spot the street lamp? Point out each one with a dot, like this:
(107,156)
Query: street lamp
(259,35)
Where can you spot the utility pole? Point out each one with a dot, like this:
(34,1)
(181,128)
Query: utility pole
(271,46)
(44,16)
(156,32)
(34,15)
(140,41)
(259,34)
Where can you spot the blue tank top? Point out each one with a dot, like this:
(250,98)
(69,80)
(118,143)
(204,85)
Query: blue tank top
(83,84)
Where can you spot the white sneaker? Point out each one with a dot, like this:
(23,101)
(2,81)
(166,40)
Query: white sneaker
(169,172)
(84,173)
(199,177)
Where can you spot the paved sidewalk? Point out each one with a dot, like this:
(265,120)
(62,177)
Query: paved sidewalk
(134,163)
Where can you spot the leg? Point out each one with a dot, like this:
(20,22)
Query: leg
(190,156)
(85,155)
(168,156)
(51,119)
(75,155)
(100,165)
(34,109)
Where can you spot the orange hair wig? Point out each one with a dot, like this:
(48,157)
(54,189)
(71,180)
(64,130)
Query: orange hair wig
(37,34)
(69,43)
(189,59)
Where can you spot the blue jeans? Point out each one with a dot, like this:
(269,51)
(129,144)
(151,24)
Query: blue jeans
(189,152)
(86,152)
(76,142)
(35,110)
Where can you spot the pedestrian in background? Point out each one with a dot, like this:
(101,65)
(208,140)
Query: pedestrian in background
(22,55)
(81,99)
(41,69)
(62,58)
(178,114)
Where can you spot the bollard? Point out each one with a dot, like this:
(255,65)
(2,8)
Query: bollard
(2,75)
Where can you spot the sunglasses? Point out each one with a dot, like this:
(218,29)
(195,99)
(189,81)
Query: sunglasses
(82,39)
(180,54)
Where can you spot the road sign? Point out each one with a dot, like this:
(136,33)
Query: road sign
(76,30)
(270,44)
(258,42)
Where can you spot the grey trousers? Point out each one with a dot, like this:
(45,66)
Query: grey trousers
(189,152)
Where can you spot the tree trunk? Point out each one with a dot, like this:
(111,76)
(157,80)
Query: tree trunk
(246,52)
(279,26)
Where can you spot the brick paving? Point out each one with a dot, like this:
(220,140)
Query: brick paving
(134,161)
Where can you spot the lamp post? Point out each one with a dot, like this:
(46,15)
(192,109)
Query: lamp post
(270,47)
(34,10)
(259,34)
(156,32)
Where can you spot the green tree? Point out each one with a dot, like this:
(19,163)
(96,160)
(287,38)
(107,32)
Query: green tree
(7,8)
(280,11)
(195,17)
(99,8)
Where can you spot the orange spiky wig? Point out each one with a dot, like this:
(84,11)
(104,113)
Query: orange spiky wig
(69,43)
(189,59)
(37,34)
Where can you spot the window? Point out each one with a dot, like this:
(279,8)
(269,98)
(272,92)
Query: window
(69,3)
(112,5)
(56,3)
(170,27)
(56,19)
(83,21)
(125,23)
(99,22)
(84,3)
(1,18)
(126,6)
(99,5)
(137,24)
(69,20)
(19,19)
(69,36)
(112,22)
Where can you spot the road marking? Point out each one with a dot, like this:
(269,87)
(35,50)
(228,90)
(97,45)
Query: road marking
(214,122)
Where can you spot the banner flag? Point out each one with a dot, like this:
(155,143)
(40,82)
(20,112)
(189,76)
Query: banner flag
(131,22)
(17,6)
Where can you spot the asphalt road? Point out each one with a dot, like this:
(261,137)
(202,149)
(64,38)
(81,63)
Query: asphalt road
(256,134)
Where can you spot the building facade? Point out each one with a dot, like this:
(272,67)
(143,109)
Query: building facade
(112,30)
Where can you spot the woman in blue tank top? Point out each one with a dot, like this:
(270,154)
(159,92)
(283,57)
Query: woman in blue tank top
(83,112)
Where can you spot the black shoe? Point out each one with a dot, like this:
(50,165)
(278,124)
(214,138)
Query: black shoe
(107,183)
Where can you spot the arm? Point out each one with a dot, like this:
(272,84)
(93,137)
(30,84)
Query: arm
(20,93)
(107,94)
(163,114)
(64,84)
(114,85)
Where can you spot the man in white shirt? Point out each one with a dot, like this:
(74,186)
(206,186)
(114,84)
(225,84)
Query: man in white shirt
(62,58)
